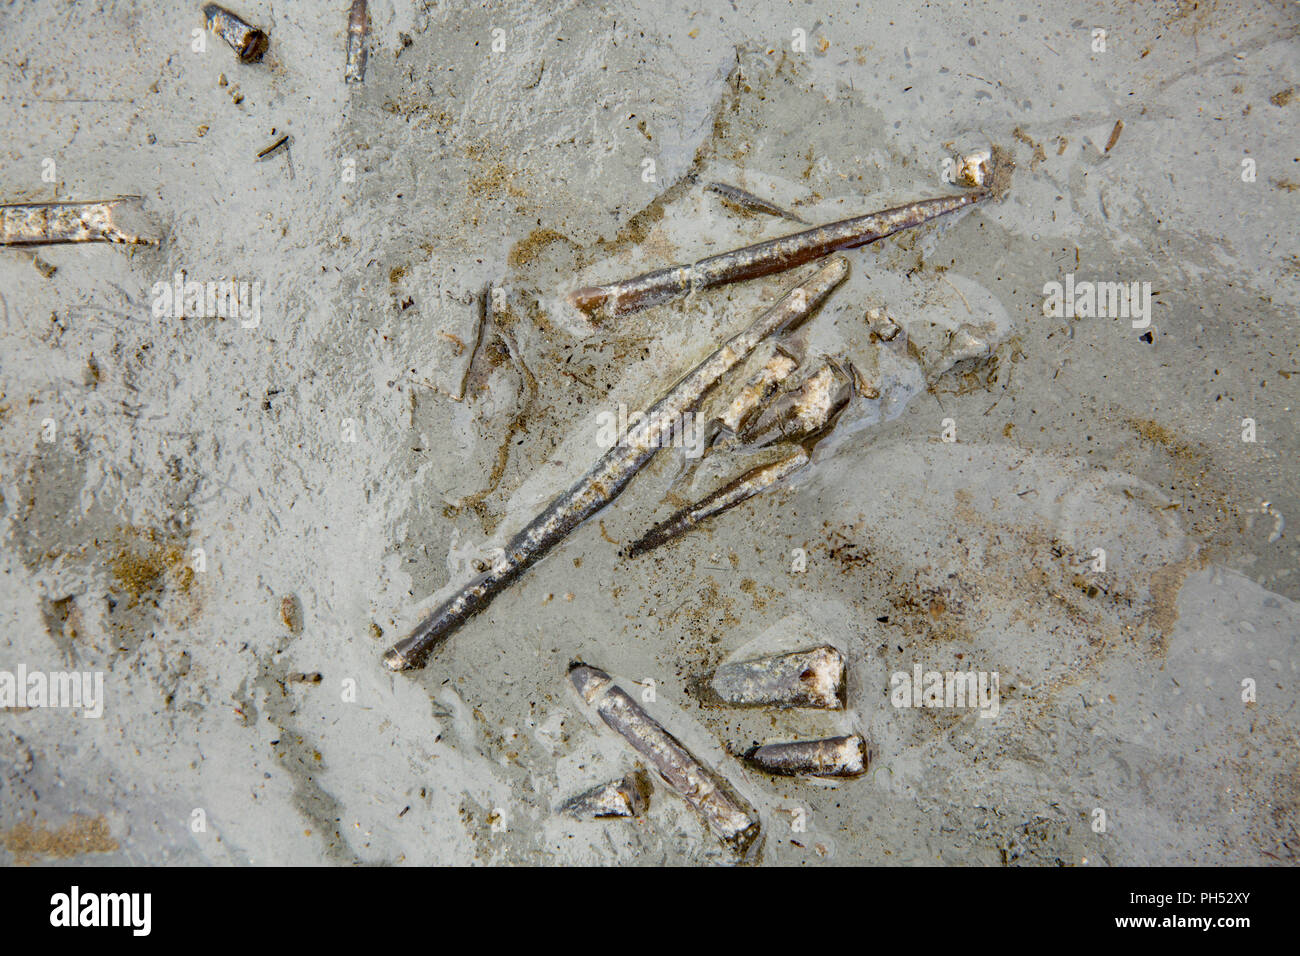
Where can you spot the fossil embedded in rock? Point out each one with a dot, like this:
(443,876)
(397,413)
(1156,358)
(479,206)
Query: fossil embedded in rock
(734,196)
(628,796)
(248,42)
(610,475)
(727,813)
(764,258)
(51,223)
(811,678)
(832,757)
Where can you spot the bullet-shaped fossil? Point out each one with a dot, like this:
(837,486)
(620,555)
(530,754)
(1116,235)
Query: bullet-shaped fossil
(358,43)
(610,475)
(51,223)
(248,42)
(764,258)
(811,678)
(831,757)
(626,797)
(731,818)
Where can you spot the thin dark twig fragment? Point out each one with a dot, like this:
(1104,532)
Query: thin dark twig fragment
(279,144)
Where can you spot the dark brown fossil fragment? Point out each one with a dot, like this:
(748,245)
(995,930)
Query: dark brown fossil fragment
(281,143)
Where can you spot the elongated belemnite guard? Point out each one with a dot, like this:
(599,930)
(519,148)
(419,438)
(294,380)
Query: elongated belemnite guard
(626,797)
(728,815)
(610,475)
(358,28)
(753,482)
(764,258)
(248,42)
(832,757)
(812,678)
(52,223)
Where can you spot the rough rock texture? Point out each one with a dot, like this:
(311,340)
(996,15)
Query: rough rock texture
(213,511)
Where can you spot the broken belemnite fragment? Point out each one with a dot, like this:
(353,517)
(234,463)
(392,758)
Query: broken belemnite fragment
(729,815)
(248,42)
(812,678)
(831,757)
(751,483)
(357,48)
(748,202)
(54,223)
(628,796)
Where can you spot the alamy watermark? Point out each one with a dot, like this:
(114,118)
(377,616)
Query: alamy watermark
(74,690)
(947,689)
(224,299)
(1103,300)
(687,432)
(129,910)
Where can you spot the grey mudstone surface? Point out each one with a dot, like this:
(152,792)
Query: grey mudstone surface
(211,512)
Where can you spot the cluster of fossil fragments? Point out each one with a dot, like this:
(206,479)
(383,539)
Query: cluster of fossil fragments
(803,679)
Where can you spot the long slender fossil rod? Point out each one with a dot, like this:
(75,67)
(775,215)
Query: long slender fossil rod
(734,196)
(728,496)
(607,478)
(764,258)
